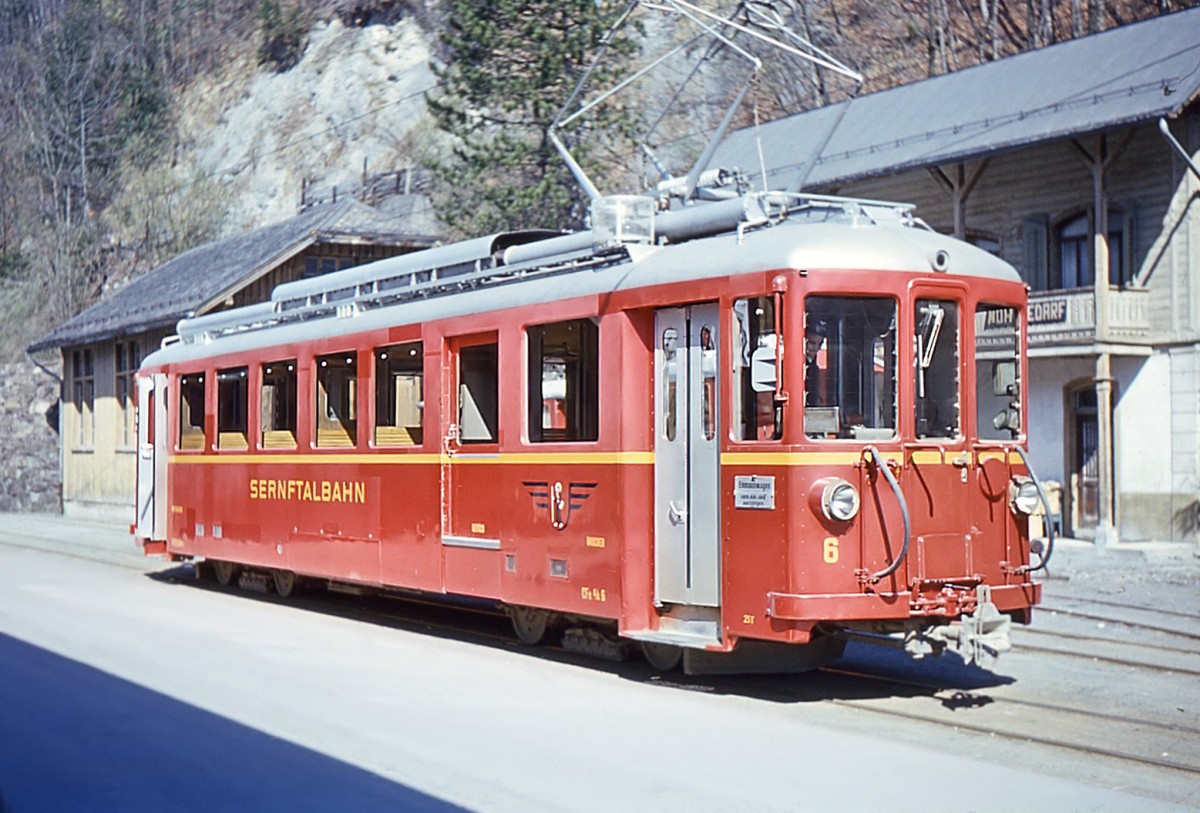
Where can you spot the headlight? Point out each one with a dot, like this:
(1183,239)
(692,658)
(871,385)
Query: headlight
(839,500)
(1023,495)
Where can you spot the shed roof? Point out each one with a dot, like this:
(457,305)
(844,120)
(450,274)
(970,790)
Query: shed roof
(1127,75)
(194,279)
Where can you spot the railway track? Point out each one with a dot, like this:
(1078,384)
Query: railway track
(1070,636)
(1092,726)
(1127,622)
(1109,659)
(1124,606)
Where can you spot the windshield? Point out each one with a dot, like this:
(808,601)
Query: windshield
(997,372)
(850,367)
(935,362)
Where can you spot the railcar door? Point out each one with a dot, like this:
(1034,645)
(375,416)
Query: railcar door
(687,554)
(151,516)
(940,462)
(470,519)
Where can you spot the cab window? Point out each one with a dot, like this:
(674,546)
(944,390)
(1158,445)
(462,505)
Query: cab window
(936,368)
(850,367)
(756,413)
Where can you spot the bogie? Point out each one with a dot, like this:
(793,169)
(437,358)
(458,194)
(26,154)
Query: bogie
(531,624)
(285,582)
(663,657)
(224,572)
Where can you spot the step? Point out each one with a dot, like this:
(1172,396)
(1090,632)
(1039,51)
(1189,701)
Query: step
(693,633)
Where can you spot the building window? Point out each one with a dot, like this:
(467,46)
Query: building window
(986,241)
(127,361)
(277,405)
(316,265)
(191,411)
(399,395)
(83,396)
(564,374)
(232,404)
(1075,251)
(337,399)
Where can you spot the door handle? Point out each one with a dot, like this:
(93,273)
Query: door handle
(676,515)
(451,441)
(963,461)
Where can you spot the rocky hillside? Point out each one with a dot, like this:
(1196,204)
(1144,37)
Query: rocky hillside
(132,131)
(352,103)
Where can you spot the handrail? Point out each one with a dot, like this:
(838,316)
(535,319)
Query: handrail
(1046,505)
(882,465)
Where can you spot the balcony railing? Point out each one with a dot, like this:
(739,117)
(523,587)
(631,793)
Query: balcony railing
(1069,317)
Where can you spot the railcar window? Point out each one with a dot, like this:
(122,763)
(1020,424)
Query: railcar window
(191,411)
(708,371)
(399,395)
(935,365)
(997,372)
(277,405)
(478,393)
(755,346)
(670,345)
(232,405)
(564,373)
(850,367)
(83,386)
(337,396)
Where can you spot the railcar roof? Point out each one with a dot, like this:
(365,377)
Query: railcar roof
(800,245)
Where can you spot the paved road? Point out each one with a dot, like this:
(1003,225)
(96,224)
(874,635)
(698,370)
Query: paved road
(125,690)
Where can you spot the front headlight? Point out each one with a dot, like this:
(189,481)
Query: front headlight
(839,500)
(1023,495)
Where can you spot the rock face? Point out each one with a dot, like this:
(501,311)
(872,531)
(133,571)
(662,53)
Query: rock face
(355,96)
(30,480)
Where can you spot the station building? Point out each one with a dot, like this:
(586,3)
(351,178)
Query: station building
(103,346)
(1077,163)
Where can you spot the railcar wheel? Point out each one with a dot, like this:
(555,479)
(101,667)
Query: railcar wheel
(530,624)
(663,657)
(285,582)
(224,571)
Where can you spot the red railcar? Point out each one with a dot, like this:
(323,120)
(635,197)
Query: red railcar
(738,433)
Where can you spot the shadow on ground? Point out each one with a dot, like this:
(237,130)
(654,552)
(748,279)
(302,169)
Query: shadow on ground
(864,672)
(74,738)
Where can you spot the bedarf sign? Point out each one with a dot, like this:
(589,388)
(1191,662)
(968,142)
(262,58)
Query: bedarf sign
(1048,311)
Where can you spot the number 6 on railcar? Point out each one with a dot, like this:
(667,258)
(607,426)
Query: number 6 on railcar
(739,433)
